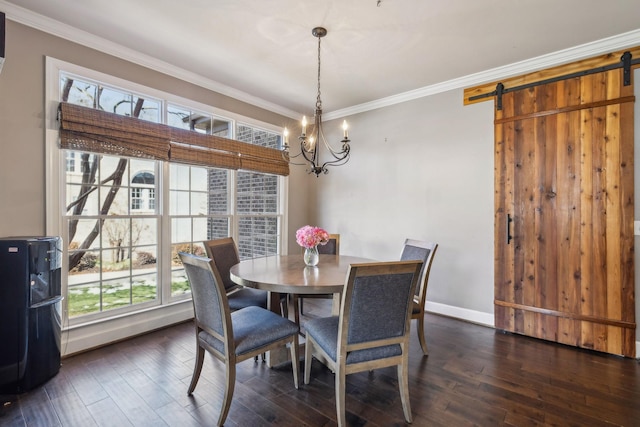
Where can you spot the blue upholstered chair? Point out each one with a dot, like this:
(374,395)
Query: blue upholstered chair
(224,254)
(235,336)
(424,251)
(372,330)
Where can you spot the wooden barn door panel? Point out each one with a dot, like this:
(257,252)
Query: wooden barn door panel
(564,175)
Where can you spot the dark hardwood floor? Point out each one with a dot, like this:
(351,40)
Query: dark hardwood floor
(474,376)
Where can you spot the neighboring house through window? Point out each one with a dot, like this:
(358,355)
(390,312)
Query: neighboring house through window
(143,192)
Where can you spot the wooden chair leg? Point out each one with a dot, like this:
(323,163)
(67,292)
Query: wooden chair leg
(294,303)
(403,384)
(228,391)
(196,370)
(284,306)
(341,381)
(421,338)
(308,356)
(295,360)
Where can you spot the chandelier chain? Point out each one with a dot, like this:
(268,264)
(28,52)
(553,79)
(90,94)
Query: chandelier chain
(318,100)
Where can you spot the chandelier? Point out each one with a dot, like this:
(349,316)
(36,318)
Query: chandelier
(311,142)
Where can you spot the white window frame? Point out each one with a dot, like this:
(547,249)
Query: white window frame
(81,335)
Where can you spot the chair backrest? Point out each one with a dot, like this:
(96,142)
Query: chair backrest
(332,247)
(210,305)
(224,254)
(424,251)
(376,304)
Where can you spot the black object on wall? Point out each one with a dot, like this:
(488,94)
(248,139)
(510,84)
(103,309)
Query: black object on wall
(2,39)
(30,312)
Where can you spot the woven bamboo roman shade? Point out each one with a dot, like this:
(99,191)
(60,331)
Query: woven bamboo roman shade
(88,129)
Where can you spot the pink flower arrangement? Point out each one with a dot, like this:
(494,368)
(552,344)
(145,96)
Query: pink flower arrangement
(309,236)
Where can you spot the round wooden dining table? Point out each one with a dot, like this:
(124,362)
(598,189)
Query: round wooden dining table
(289,274)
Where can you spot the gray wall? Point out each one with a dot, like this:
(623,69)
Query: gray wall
(424,170)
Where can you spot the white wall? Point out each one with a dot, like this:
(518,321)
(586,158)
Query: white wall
(424,170)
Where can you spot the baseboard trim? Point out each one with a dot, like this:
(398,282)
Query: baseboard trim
(473,316)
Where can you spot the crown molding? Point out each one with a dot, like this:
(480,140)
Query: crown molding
(39,22)
(588,50)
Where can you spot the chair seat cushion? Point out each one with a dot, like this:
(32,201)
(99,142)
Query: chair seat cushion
(247,297)
(325,332)
(254,327)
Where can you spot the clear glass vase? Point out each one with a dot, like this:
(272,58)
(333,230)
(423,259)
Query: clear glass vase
(311,256)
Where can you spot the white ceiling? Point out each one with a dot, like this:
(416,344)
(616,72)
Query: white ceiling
(373,50)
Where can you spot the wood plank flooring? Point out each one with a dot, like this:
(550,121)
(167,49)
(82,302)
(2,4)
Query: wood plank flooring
(474,376)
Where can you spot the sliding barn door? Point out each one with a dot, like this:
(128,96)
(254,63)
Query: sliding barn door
(564,264)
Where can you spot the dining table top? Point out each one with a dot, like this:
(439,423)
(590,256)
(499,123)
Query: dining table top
(289,274)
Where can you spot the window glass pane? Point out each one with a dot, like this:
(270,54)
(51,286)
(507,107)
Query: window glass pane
(199,180)
(218,190)
(86,264)
(144,288)
(83,233)
(201,124)
(115,293)
(116,199)
(81,201)
(150,111)
(257,192)
(114,101)
(179,283)
(218,228)
(178,117)
(179,177)
(221,128)
(256,136)
(181,230)
(83,298)
(199,203)
(144,168)
(116,233)
(257,236)
(200,229)
(179,203)
(78,92)
(144,231)
(144,261)
(146,257)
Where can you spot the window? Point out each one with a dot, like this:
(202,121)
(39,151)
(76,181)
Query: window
(143,192)
(112,251)
(125,219)
(71,161)
(257,201)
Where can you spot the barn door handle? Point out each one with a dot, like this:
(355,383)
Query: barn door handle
(509,221)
